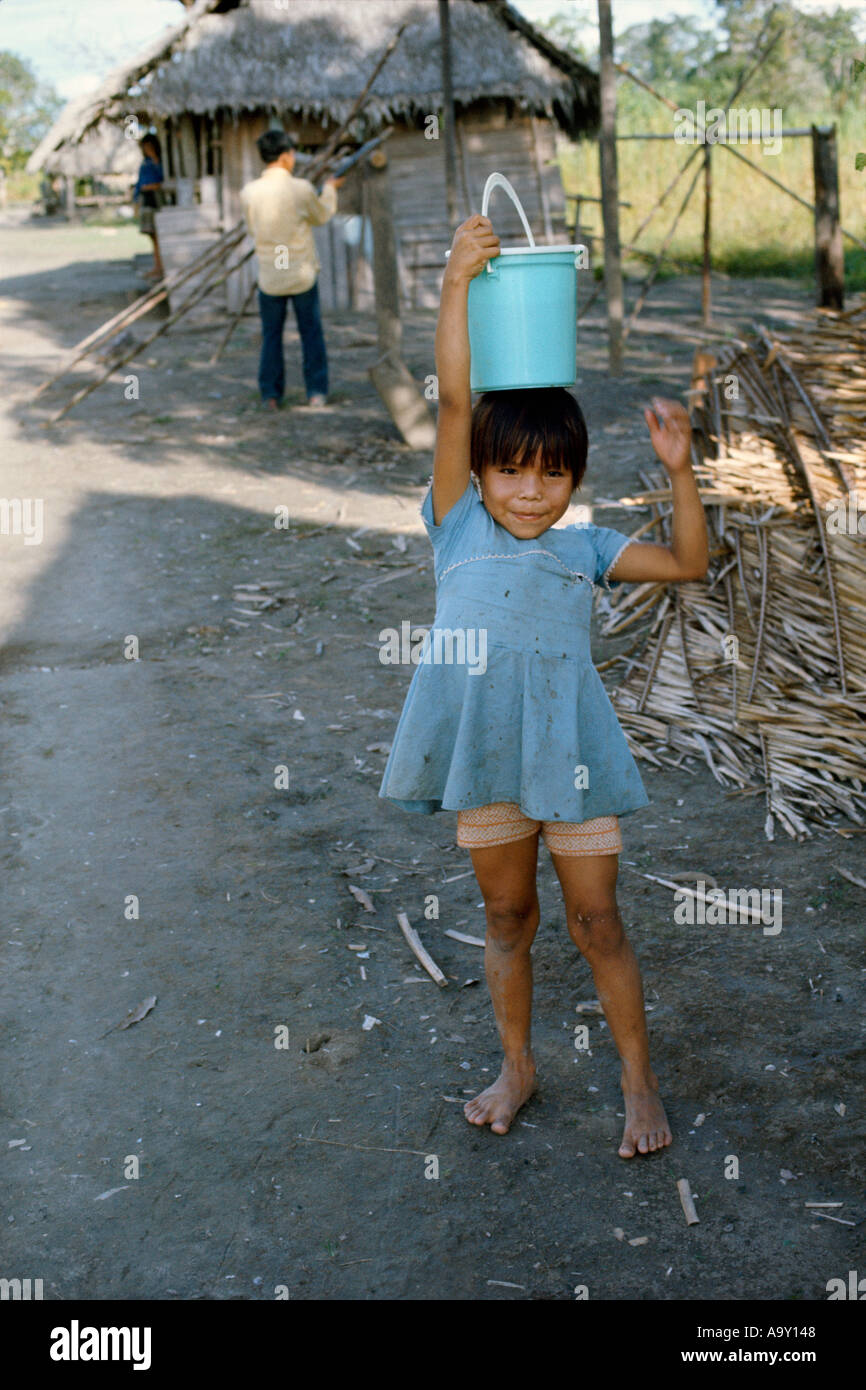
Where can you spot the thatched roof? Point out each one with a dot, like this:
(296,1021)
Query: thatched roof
(112,98)
(105,149)
(312,58)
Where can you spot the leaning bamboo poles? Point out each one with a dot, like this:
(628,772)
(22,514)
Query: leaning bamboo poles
(209,263)
(760,669)
(145,302)
(235,320)
(198,294)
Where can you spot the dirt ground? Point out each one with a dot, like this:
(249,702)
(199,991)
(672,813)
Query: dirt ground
(308,1171)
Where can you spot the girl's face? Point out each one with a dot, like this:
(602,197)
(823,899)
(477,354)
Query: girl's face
(526,498)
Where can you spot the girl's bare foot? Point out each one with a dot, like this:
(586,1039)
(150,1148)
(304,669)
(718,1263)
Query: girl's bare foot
(646,1124)
(498,1105)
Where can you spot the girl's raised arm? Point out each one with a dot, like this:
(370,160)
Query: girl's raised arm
(475,243)
(687,556)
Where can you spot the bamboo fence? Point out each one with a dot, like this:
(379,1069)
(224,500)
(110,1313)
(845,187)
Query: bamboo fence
(760,668)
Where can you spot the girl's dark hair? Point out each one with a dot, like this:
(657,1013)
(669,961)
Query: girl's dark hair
(151,140)
(510,426)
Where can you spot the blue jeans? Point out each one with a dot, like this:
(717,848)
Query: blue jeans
(272,371)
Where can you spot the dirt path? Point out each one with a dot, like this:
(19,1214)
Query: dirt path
(264,1166)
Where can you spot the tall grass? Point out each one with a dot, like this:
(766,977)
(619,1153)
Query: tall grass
(756,228)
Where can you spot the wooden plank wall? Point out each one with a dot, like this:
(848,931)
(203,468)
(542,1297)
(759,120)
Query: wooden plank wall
(487,142)
(185,233)
(488,139)
(346,277)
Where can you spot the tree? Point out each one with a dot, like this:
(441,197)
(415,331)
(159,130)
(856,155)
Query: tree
(809,68)
(669,54)
(574,32)
(858,69)
(27,109)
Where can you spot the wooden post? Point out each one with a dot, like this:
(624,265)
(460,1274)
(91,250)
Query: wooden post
(385,278)
(390,375)
(187,149)
(216,144)
(829,260)
(610,192)
(461,159)
(202,146)
(708,202)
(69,196)
(164,131)
(539,181)
(448,115)
(238,169)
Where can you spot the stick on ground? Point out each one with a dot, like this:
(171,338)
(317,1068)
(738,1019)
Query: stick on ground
(418,950)
(467,940)
(688,1205)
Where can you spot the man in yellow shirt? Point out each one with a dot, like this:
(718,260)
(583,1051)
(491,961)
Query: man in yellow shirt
(280,212)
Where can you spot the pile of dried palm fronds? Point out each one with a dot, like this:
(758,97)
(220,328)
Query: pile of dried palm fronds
(760,669)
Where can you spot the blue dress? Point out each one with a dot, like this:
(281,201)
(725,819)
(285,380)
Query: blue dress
(505,703)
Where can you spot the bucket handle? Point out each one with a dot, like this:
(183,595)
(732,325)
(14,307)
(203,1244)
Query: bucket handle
(500,181)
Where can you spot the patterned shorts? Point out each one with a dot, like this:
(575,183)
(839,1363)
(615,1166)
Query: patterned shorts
(503,822)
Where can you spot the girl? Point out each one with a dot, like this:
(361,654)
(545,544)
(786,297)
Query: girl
(148,188)
(528,740)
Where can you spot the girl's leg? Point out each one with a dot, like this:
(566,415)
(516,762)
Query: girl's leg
(157,270)
(506,877)
(157,259)
(594,923)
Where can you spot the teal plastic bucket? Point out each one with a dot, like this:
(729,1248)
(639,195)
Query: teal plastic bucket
(523,313)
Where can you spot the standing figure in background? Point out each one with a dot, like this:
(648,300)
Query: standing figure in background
(148,194)
(280,212)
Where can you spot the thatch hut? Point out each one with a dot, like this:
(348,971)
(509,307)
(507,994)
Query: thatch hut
(105,155)
(105,149)
(234,67)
